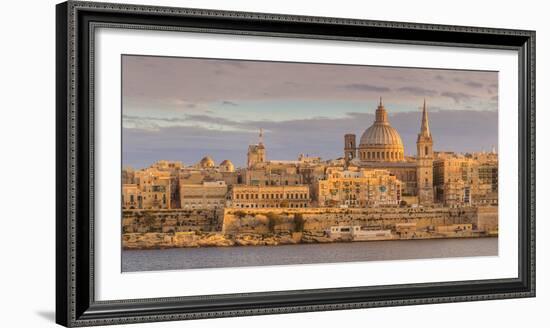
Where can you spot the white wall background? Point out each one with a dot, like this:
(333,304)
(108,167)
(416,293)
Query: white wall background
(27,161)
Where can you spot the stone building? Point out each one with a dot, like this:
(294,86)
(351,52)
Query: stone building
(198,176)
(128,174)
(206,195)
(470,179)
(260,196)
(151,190)
(273,174)
(374,172)
(173,168)
(256,153)
(130,194)
(358,188)
(164,165)
(381,148)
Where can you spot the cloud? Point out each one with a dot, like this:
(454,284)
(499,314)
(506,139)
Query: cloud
(212,81)
(200,120)
(454,130)
(229,103)
(365,87)
(418,91)
(473,84)
(458,97)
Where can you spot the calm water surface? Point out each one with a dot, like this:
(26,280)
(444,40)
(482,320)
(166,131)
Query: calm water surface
(216,257)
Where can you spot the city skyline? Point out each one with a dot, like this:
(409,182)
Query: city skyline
(215,147)
(191,108)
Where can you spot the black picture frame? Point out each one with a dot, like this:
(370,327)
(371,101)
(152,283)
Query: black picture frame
(75,302)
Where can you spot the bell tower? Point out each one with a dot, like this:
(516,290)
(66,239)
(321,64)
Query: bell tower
(424,161)
(256,153)
(350,150)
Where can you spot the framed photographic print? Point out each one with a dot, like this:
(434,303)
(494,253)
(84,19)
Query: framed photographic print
(215,163)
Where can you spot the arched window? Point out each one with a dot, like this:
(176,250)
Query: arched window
(426,150)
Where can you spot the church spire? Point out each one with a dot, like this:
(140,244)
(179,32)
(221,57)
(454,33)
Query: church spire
(425,127)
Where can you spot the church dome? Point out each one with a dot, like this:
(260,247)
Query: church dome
(381,142)
(379,134)
(227,166)
(207,162)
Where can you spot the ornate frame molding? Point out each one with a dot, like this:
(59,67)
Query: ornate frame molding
(76,25)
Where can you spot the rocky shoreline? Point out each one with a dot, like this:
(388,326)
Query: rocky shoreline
(158,240)
(213,239)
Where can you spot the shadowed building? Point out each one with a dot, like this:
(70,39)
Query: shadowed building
(206,195)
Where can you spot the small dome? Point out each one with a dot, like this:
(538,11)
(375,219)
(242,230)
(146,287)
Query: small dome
(227,166)
(207,162)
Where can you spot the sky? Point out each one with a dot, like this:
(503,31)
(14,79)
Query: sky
(186,108)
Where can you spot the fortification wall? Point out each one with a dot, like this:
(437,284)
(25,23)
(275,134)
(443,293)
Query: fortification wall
(177,220)
(317,220)
(144,229)
(487,219)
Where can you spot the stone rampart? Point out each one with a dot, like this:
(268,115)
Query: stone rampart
(320,219)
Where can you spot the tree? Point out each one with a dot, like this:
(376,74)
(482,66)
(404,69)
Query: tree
(298,222)
(239,214)
(149,220)
(273,220)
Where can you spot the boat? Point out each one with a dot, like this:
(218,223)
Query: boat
(358,233)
